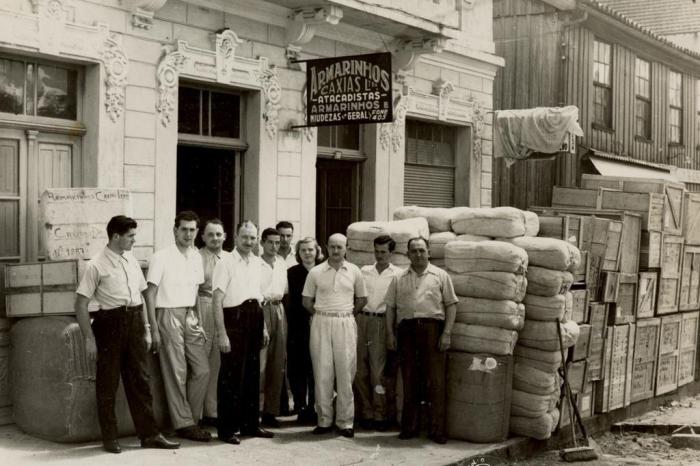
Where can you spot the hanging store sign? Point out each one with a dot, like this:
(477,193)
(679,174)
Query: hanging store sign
(354,89)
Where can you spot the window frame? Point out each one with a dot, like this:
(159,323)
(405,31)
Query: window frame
(675,107)
(341,152)
(606,87)
(697,113)
(645,99)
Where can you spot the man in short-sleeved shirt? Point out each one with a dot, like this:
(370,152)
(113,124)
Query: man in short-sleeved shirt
(334,290)
(120,336)
(421,302)
(174,276)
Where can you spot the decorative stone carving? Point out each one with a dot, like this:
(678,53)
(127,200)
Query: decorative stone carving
(303,25)
(391,135)
(222,66)
(307,130)
(443,90)
(116,68)
(407,51)
(143,11)
(478,117)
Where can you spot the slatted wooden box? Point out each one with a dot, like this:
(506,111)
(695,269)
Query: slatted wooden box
(646,348)
(564,227)
(626,301)
(576,197)
(688,347)
(609,287)
(598,318)
(690,279)
(579,312)
(670,275)
(691,218)
(673,193)
(650,249)
(649,205)
(581,350)
(646,295)
(669,354)
(41,288)
(585,401)
(615,390)
(577,375)
(581,272)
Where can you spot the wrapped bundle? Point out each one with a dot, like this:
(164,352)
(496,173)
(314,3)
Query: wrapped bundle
(548,308)
(361,234)
(473,238)
(544,335)
(531,405)
(539,428)
(479,339)
(438,263)
(550,253)
(485,256)
(360,258)
(532,223)
(438,218)
(490,313)
(533,380)
(437,242)
(490,285)
(547,282)
(547,361)
(506,222)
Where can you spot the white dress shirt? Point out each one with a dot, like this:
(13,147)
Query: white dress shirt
(238,278)
(177,276)
(377,284)
(273,281)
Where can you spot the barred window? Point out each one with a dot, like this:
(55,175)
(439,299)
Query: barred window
(675,111)
(642,88)
(602,84)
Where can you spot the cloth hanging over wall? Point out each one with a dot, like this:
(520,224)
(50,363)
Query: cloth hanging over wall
(520,133)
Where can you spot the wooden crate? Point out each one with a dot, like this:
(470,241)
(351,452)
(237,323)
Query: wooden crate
(585,401)
(579,311)
(688,347)
(691,218)
(646,348)
(598,318)
(580,350)
(581,272)
(670,275)
(564,227)
(649,205)
(646,295)
(576,197)
(669,354)
(674,199)
(690,279)
(626,303)
(615,391)
(650,249)
(609,286)
(605,242)
(577,375)
(41,288)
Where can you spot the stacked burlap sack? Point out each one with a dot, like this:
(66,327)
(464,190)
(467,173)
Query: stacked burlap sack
(361,237)
(548,303)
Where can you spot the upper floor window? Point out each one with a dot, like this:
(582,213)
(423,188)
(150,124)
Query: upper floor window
(345,137)
(675,110)
(37,89)
(697,112)
(602,84)
(206,112)
(642,89)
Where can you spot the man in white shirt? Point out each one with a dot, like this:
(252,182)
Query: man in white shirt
(286,251)
(241,334)
(213,236)
(371,336)
(174,276)
(273,288)
(334,290)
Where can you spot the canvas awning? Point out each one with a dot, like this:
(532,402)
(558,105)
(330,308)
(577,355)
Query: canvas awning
(615,165)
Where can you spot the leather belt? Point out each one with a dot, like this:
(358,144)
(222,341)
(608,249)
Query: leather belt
(274,302)
(372,314)
(124,309)
(334,314)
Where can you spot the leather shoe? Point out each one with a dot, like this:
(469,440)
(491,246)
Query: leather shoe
(111,446)
(269,420)
(367,424)
(348,433)
(158,441)
(207,421)
(406,435)
(233,440)
(259,432)
(318,430)
(439,439)
(194,433)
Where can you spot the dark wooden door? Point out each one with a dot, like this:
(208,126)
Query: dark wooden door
(337,197)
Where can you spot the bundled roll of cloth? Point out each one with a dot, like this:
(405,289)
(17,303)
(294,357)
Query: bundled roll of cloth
(361,235)
(491,313)
(531,405)
(506,222)
(548,361)
(550,253)
(548,308)
(539,428)
(532,223)
(490,285)
(544,335)
(438,218)
(548,282)
(534,380)
(437,242)
(481,339)
(467,237)
(485,256)
(361,258)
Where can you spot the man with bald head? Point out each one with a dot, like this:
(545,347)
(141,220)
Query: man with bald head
(334,292)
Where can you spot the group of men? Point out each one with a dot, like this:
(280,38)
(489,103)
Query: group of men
(219,320)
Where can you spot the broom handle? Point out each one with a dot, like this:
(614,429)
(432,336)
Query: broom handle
(567,389)
(581,425)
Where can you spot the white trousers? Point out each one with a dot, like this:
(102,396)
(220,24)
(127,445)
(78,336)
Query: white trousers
(333,346)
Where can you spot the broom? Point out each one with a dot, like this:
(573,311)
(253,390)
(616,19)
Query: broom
(577,453)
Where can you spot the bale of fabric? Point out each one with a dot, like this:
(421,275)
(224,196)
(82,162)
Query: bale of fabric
(548,282)
(468,237)
(531,405)
(361,235)
(480,339)
(532,223)
(437,242)
(439,218)
(507,222)
(550,253)
(490,285)
(548,308)
(539,428)
(360,258)
(534,380)
(438,263)
(485,256)
(544,335)
(547,361)
(490,313)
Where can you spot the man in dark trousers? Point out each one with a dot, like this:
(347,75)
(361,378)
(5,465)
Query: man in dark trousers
(421,304)
(120,336)
(241,335)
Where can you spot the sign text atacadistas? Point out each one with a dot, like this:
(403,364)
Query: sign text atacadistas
(344,90)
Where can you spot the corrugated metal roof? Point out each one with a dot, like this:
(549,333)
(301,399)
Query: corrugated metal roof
(662,16)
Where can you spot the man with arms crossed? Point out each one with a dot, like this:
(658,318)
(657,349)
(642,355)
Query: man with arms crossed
(120,336)
(174,276)
(333,292)
(241,334)
(421,302)
(213,237)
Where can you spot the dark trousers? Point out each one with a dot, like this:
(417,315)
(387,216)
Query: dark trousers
(239,374)
(423,368)
(299,368)
(121,349)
